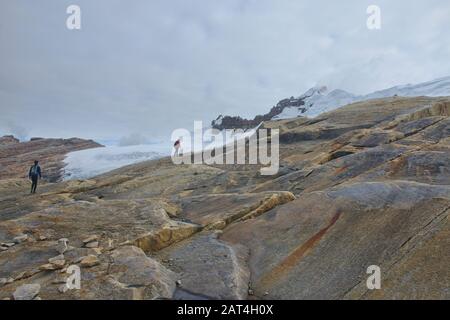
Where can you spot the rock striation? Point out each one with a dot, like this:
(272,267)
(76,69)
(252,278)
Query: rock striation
(366,184)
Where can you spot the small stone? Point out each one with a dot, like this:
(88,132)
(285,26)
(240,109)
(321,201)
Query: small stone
(37,298)
(30,273)
(59,257)
(250,292)
(93,244)
(2,248)
(42,238)
(96,251)
(178,283)
(27,292)
(8,244)
(90,239)
(78,260)
(90,261)
(48,267)
(125,243)
(21,238)
(62,245)
(266,293)
(60,280)
(63,288)
(59,264)
(19,276)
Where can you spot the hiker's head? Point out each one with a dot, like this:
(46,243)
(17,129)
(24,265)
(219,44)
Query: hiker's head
(36,162)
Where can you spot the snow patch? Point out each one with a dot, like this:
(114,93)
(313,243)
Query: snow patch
(88,163)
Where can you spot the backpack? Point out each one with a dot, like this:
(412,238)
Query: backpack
(34,170)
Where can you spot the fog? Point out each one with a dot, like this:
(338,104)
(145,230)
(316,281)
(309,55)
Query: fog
(139,69)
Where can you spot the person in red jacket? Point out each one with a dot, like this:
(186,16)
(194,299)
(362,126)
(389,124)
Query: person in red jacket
(177,146)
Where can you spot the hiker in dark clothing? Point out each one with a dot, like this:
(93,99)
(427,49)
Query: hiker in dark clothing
(34,175)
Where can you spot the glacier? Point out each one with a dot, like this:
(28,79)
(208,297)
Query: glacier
(85,164)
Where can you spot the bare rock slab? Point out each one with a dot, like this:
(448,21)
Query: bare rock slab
(133,269)
(209,268)
(27,292)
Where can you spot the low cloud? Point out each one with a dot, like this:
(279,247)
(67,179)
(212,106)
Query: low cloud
(153,66)
(16,130)
(133,139)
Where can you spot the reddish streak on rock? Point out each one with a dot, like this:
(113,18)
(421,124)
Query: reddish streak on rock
(396,165)
(295,256)
(340,170)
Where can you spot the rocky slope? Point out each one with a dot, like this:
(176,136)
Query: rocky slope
(16,157)
(367,184)
(8,140)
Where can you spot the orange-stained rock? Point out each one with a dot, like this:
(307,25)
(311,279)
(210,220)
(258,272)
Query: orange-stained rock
(366,184)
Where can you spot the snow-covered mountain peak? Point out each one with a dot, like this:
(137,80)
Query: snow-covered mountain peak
(314,91)
(318,100)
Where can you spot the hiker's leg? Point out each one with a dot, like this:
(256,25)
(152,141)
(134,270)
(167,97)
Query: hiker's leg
(34,185)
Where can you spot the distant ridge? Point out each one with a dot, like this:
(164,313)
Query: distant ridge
(318,100)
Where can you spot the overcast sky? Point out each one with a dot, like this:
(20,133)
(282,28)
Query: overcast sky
(146,67)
